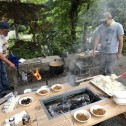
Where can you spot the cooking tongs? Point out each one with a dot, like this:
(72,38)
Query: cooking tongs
(84,80)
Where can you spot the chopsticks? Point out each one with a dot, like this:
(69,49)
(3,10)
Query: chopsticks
(84,80)
(66,118)
(103,95)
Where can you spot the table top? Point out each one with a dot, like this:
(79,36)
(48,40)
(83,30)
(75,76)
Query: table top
(39,117)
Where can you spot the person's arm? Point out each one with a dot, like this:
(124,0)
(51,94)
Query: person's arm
(2,57)
(123,75)
(95,46)
(120,38)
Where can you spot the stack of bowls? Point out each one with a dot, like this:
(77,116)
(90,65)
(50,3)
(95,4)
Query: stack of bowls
(120,98)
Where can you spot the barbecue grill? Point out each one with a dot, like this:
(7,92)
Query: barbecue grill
(56,105)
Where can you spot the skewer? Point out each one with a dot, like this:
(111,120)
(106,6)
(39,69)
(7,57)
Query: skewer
(118,77)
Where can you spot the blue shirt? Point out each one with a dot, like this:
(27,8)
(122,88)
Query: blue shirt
(108,36)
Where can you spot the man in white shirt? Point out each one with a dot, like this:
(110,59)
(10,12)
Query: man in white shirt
(4,84)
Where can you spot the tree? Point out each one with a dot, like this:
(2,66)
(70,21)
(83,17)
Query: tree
(20,13)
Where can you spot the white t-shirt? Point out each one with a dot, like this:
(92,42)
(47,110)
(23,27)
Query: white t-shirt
(1,50)
(3,45)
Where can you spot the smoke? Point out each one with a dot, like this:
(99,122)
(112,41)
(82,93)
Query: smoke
(89,21)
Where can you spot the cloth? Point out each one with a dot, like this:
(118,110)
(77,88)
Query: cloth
(3,74)
(4,45)
(106,16)
(109,37)
(13,59)
(107,63)
(4,25)
(4,83)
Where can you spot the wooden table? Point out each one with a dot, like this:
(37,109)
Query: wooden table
(39,117)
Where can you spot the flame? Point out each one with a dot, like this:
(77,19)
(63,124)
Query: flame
(36,74)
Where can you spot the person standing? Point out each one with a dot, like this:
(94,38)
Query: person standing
(4,84)
(110,36)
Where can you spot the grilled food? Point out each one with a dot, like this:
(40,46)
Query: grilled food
(82,117)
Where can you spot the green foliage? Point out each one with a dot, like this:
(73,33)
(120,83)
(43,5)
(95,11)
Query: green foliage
(28,49)
(53,29)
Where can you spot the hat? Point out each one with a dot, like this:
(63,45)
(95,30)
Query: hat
(106,16)
(4,25)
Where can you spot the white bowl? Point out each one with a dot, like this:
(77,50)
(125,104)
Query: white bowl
(25,98)
(96,108)
(27,91)
(119,101)
(42,91)
(82,113)
(55,87)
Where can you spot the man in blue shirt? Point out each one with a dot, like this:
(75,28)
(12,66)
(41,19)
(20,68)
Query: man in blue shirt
(110,36)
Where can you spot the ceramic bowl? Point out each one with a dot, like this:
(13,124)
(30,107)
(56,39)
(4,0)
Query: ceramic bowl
(57,87)
(27,91)
(42,91)
(26,101)
(98,110)
(82,115)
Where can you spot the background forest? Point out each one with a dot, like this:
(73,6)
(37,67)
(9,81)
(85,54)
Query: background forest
(54,27)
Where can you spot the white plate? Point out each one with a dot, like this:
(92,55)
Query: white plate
(95,107)
(24,98)
(85,112)
(53,87)
(42,89)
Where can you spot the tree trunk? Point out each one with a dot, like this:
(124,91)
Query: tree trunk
(85,29)
(16,31)
(85,35)
(73,16)
(33,33)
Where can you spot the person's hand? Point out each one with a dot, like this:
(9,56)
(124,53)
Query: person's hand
(12,65)
(119,55)
(93,53)
(123,75)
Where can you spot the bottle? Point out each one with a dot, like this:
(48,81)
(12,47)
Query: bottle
(26,120)
(24,76)
(12,121)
